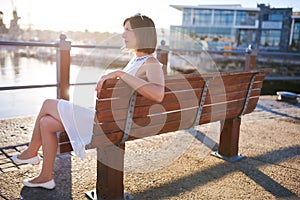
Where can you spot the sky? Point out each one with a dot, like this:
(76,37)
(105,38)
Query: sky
(108,15)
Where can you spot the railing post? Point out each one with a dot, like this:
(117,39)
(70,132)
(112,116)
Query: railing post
(63,67)
(250,62)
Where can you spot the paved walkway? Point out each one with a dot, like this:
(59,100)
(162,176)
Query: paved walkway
(183,170)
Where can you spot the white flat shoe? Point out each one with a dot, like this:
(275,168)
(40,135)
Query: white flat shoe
(35,160)
(47,185)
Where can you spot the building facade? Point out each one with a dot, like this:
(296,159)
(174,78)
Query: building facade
(226,27)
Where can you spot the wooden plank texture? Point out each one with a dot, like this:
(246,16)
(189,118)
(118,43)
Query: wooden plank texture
(225,99)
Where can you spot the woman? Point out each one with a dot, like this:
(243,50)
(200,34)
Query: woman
(56,115)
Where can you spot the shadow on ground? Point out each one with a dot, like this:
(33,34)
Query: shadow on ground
(249,166)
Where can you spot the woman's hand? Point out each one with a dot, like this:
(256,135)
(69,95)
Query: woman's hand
(111,75)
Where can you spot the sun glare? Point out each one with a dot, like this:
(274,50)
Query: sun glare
(92,15)
(102,16)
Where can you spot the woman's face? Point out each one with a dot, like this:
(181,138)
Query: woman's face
(129,36)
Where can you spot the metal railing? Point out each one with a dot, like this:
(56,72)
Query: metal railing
(28,44)
(63,62)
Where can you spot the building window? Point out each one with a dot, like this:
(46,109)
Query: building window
(202,17)
(223,17)
(246,18)
(275,17)
(270,39)
(245,37)
(187,16)
(199,38)
(241,17)
(296,35)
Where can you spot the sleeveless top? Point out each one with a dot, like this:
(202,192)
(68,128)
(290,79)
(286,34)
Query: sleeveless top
(134,64)
(78,121)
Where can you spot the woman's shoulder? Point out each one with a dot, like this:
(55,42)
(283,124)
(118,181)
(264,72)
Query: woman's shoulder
(152,59)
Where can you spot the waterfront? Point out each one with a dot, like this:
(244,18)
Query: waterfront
(23,71)
(22,67)
(272,118)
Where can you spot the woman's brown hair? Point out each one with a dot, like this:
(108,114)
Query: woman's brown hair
(144,29)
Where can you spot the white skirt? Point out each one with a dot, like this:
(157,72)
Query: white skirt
(78,123)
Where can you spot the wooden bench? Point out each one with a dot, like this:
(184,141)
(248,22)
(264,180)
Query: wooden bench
(190,100)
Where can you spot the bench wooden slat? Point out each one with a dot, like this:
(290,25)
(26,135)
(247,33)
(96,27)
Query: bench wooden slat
(177,83)
(220,98)
(123,102)
(108,104)
(144,120)
(123,90)
(233,88)
(234,108)
(228,80)
(114,113)
(181,83)
(115,137)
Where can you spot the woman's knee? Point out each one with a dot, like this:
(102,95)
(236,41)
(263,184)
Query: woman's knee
(45,122)
(49,124)
(49,103)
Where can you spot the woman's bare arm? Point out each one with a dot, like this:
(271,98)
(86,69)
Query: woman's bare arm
(151,88)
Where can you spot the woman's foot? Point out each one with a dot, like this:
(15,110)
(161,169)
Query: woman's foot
(40,182)
(34,161)
(26,157)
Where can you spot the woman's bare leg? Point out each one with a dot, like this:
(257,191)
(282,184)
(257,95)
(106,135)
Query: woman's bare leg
(49,108)
(47,124)
(48,127)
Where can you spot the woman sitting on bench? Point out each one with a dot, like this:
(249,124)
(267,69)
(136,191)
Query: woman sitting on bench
(59,115)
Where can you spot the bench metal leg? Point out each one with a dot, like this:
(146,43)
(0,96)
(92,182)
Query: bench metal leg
(110,168)
(229,140)
(92,195)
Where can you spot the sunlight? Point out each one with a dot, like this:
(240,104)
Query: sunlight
(91,15)
(105,16)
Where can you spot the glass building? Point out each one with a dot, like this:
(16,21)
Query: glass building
(226,27)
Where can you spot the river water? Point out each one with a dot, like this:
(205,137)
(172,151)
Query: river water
(17,70)
(19,67)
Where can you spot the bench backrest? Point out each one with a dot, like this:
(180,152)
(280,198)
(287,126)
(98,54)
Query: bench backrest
(190,100)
